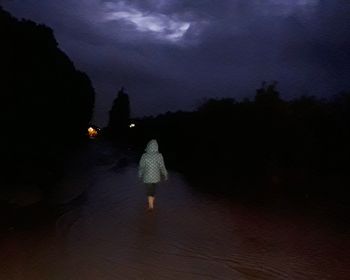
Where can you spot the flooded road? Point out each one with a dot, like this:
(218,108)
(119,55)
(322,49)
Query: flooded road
(108,234)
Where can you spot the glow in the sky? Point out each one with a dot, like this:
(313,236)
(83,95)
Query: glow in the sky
(161,25)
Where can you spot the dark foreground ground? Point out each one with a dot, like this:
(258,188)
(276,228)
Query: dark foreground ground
(105,232)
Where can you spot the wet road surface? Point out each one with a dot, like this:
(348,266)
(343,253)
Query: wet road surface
(108,234)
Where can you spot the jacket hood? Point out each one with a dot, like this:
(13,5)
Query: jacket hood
(152,146)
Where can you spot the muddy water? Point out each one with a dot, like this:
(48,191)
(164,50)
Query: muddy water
(108,234)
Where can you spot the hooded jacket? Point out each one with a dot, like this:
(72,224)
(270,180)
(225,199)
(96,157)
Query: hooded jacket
(151,165)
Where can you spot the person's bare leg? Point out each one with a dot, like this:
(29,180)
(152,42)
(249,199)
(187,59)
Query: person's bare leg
(151,202)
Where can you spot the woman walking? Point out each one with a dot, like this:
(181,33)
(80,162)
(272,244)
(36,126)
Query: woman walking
(151,168)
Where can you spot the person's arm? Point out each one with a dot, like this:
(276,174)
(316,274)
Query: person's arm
(141,166)
(162,167)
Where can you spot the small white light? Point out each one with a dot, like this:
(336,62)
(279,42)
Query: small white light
(132,125)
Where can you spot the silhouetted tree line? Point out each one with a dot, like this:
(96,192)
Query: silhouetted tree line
(46,103)
(300,146)
(119,118)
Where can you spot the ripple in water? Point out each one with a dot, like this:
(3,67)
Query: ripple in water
(109,235)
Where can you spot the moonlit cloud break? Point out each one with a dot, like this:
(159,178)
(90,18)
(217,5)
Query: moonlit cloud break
(162,26)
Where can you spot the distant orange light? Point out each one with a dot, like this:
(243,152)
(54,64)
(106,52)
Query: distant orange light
(92,132)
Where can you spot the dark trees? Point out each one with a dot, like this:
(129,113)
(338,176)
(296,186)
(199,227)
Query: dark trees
(297,145)
(267,94)
(119,116)
(46,104)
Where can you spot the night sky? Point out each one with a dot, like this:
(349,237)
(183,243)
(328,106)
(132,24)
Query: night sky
(170,54)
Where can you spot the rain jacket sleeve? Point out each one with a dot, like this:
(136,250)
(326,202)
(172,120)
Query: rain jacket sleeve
(141,166)
(162,167)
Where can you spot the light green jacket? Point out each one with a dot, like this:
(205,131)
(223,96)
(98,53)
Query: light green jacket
(151,165)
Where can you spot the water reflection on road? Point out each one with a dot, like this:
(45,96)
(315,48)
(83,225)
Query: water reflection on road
(109,235)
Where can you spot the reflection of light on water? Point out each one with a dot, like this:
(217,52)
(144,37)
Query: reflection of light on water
(255,239)
(132,125)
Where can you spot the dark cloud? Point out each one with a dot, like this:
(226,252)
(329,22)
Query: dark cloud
(170,54)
